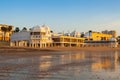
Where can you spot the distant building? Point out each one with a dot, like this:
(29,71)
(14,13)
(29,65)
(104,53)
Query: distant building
(112,32)
(38,36)
(75,34)
(5,37)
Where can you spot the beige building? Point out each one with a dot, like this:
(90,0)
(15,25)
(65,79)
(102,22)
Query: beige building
(5,36)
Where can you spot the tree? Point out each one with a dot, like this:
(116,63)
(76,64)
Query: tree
(82,35)
(118,39)
(30,29)
(17,29)
(4,29)
(51,31)
(9,28)
(24,29)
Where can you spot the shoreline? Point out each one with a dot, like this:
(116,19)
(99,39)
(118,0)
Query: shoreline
(50,49)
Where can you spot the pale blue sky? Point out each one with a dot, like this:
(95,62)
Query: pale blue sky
(62,15)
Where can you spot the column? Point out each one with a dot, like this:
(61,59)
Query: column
(11,43)
(17,43)
(25,42)
(40,45)
(63,43)
(77,44)
(70,42)
(29,44)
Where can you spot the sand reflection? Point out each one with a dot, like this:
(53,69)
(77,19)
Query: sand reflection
(82,65)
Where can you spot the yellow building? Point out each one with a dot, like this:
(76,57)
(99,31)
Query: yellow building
(5,36)
(100,36)
(67,41)
(97,36)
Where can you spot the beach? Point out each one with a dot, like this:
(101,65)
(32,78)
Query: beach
(27,52)
(59,63)
(17,50)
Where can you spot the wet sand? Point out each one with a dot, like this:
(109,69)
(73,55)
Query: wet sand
(52,49)
(59,63)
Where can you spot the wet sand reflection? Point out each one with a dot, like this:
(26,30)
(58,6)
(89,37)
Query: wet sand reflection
(68,66)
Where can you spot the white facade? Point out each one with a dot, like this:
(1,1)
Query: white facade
(87,34)
(75,34)
(38,36)
(23,35)
(113,42)
(20,38)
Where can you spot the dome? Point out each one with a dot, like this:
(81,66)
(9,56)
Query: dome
(37,29)
(46,27)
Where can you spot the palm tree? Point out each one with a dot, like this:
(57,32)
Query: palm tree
(82,35)
(9,28)
(51,31)
(4,29)
(24,29)
(17,29)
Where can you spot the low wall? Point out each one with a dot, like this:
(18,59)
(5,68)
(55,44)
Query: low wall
(3,43)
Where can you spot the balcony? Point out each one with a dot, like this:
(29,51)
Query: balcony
(37,37)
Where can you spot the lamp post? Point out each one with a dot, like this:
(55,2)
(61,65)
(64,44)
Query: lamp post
(89,34)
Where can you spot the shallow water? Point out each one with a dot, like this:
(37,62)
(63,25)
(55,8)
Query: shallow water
(80,65)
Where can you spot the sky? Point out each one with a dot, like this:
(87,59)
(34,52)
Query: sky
(62,15)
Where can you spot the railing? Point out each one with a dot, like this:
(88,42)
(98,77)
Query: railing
(37,37)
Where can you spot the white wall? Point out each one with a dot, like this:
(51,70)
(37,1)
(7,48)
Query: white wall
(87,34)
(23,35)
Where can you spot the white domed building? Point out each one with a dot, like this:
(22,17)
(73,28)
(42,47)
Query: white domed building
(113,42)
(38,36)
